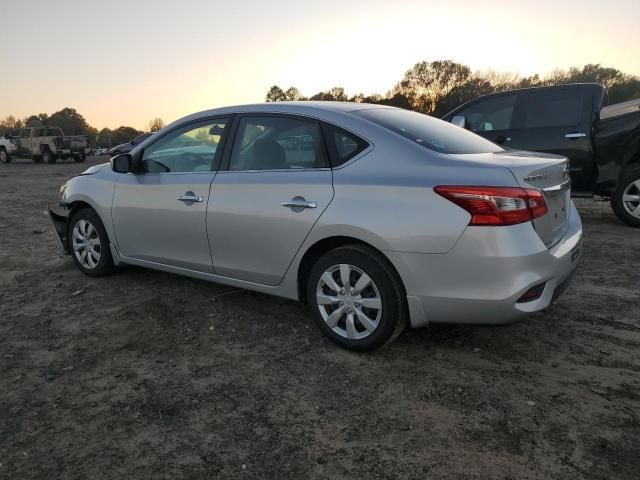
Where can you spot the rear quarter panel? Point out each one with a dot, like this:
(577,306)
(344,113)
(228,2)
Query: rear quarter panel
(386,198)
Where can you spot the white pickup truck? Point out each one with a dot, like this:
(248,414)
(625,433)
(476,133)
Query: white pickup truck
(44,144)
(7,149)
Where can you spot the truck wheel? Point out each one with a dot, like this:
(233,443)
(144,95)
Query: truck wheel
(80,158)
(37,159)
(48,157)
(4,156)
(625,202)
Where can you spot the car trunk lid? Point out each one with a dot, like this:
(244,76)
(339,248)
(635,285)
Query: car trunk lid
(548,173)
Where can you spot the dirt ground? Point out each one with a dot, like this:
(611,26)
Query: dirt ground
(150,375)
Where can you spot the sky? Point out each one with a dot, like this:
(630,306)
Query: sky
(124,62)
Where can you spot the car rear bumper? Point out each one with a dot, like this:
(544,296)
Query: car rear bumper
(481,279)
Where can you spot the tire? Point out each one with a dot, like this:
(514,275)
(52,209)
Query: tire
(382,324)
(4,156)
(85,233)
(48,157)
(80,158)
(37,159)
(625,201)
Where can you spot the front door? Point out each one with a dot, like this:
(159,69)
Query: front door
(276,184)
(160,215)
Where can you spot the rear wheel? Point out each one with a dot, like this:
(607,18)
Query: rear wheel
(89,244)
(79,158)
(48,157)
(625,202)
(4,156)
(356,298)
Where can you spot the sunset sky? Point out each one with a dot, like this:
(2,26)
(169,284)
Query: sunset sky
(124,62)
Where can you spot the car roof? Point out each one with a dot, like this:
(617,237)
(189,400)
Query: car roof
(300,108)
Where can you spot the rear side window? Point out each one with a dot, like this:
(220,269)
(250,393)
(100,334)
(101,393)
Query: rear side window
(274,142)
(429,132)
(553,108)
(344,145)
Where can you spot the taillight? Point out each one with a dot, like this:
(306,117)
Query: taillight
(496,206)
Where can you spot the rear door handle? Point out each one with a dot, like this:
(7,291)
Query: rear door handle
(575,135)
(295,203)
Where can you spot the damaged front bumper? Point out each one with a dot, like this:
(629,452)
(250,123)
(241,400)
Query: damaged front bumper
(60,227)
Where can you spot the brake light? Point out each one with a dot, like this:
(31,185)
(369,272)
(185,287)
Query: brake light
(496,206)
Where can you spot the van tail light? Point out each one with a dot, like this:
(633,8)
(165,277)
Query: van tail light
(496,206)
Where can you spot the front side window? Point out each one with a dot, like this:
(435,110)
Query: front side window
(193,148)
(494,113)
(429,132)
(277,143)
(553,108)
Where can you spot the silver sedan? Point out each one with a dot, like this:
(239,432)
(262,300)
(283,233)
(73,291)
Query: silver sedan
(373,216)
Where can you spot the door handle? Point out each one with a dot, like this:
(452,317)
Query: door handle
(575,135)
(190,198)
(295,203)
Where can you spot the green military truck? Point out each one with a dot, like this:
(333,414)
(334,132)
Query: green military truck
(48,144)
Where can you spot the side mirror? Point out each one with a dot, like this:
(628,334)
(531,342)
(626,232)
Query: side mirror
(459,121)
(216,130)
(121,163)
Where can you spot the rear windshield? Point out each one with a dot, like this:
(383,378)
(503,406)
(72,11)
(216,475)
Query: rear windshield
(429,132)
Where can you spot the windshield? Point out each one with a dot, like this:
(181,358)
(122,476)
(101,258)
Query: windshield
(429,132)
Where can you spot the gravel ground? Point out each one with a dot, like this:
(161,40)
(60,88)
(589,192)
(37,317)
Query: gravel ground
(149,375)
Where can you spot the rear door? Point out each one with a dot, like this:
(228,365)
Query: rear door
(558,121)
(275,185)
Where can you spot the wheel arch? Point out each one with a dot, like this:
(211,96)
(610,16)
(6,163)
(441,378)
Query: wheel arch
(322,246)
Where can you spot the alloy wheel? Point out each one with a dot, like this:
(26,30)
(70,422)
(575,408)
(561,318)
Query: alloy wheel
(86,244)
(631,198)
(349,301)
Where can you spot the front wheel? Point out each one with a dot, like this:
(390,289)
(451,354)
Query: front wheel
(356,298)
(4,156)
(625,202)
(89,244)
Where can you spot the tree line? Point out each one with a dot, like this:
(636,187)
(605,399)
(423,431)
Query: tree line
(436,88)
(73,123)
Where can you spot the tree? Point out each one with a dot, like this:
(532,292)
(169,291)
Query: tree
(427,83)
(156,124)
(71,122)
(275,94)
(33,121)
(293,95)
(10,125)
(124,134)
